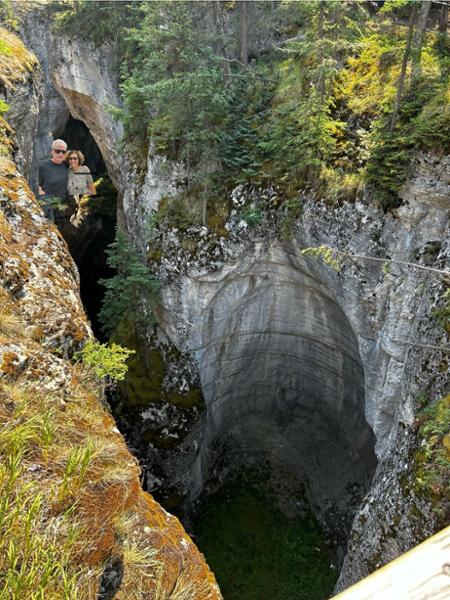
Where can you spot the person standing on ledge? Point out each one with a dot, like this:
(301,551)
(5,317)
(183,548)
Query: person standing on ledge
(80,184)
(53,177)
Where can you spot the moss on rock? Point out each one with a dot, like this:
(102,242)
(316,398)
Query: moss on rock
(432,459)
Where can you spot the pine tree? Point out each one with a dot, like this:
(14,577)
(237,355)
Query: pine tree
(131,292)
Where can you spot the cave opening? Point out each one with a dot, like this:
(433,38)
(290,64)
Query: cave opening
(88,242)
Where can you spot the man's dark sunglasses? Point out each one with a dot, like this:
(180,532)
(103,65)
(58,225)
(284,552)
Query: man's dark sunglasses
(59,151)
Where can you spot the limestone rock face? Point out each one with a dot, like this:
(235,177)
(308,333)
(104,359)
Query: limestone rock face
(281,375)
(78,79)
(299,363)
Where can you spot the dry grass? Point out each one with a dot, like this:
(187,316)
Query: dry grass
(61,497)
(38,545)
(70,501)
(11,325)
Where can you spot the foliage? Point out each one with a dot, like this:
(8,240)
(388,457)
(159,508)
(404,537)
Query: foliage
(176,91)
(252,215)
(328,255)
(260,553)
(312,112)
(55,202)
(4,107)
(369,87)
(303,131)
(131,292)
(292,210)
(107,362)
(433,457)
(98,22)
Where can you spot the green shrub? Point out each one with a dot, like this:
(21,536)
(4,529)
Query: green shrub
(95,21)
(107,362)
(433,458)
(131,291)
(252,215)
(5,50)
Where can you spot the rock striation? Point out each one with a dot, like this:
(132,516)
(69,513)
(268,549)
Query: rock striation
(312,372)
(280,374)
(299,363)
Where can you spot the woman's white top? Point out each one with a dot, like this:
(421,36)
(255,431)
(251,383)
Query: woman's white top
(79,180)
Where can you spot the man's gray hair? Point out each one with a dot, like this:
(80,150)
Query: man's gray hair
(58,142)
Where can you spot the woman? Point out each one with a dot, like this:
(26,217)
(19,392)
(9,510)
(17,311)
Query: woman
(80,178)
(80,183)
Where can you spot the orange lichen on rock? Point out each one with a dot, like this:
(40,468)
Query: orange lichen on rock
(72,465)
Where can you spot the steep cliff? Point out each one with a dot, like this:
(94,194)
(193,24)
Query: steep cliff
(319,375)
(297,360)
(75,522)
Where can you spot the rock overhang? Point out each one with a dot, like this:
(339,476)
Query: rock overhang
(281,376)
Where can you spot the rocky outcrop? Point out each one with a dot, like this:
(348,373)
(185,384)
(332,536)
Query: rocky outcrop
(21,90)
(78,79)
(123,543)
(299,362)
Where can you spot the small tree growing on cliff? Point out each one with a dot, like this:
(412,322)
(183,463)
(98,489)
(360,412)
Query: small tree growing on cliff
(126,292)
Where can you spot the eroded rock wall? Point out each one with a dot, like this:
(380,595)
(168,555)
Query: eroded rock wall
(42,324)
(226,314)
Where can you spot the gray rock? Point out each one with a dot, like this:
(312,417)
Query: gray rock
(299,363)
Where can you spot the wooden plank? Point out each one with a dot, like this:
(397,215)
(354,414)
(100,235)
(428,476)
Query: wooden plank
(423,573)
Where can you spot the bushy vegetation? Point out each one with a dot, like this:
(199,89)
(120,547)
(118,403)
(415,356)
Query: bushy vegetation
(132,293)
(297,94)
(98,22)
(433,456)
(108,363)
(259,552)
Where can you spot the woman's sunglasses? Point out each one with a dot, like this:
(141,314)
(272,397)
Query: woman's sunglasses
(73,157)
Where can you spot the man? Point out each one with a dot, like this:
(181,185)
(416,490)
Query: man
(53,175)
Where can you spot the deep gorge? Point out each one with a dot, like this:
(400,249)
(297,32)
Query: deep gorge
(282,382)
(267,385)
